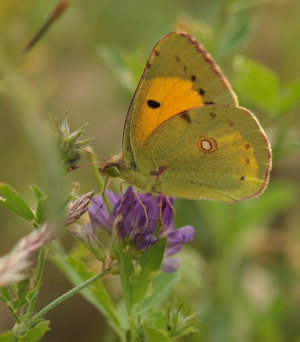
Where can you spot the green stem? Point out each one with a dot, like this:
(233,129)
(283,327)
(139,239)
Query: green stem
(14,313)
(131,326)
(98,177)
(64,297)
(38,283)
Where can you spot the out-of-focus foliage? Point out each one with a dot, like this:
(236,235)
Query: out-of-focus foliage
(243,272)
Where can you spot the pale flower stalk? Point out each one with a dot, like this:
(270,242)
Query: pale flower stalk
(78,207)
(14,264)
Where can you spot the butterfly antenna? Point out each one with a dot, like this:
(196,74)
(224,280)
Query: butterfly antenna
(90,151)
(72,168)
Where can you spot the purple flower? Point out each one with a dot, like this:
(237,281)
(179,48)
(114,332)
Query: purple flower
(141,219)
(175,240)
(98,211)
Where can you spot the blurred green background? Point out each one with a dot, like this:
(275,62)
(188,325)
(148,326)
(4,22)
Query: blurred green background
(242,273)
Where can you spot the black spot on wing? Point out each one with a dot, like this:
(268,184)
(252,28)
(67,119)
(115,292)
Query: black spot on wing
(185,116)
(201,91)
(153,104)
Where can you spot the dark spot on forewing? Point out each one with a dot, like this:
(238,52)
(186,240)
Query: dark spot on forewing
(177,58)
(242,178)
(153,104)
(184,68)
(193,78)
(247,146)
(209,103)
(156,53)
(185,116)
(201,91)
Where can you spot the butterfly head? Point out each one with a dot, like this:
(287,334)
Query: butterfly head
(112,167)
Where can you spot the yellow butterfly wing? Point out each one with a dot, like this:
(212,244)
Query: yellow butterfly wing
(179,75)
(214,152)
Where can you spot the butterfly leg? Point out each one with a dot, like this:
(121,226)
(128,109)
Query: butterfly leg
(166,198)
(143,206)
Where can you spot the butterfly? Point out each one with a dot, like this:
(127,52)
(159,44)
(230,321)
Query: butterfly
(185,134)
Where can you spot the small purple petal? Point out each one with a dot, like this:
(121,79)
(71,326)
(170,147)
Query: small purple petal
(170,265)
(181,235)
(168,212)
(176,238)
(98,211)
(172,250)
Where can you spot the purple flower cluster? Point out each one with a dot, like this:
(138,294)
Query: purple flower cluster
(142,219)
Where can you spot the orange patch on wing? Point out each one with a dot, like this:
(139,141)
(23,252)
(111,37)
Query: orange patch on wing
(234,144)
(161,99)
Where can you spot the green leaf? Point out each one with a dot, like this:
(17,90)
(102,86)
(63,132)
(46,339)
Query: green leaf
(155,335)
(96,294)
(41,211)
(5,295)
(257,84)
(290,96)
(234,37)
(12,200)
(36,333)
(37,192)
(117,65)
(8,337)
(229,222)
(161,287)
(150,262)
(22,289)
(126,270)
(127,67)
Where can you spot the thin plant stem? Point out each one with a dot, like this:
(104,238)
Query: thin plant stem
(132,326)
(38,283)
(98,177)
(64,297)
